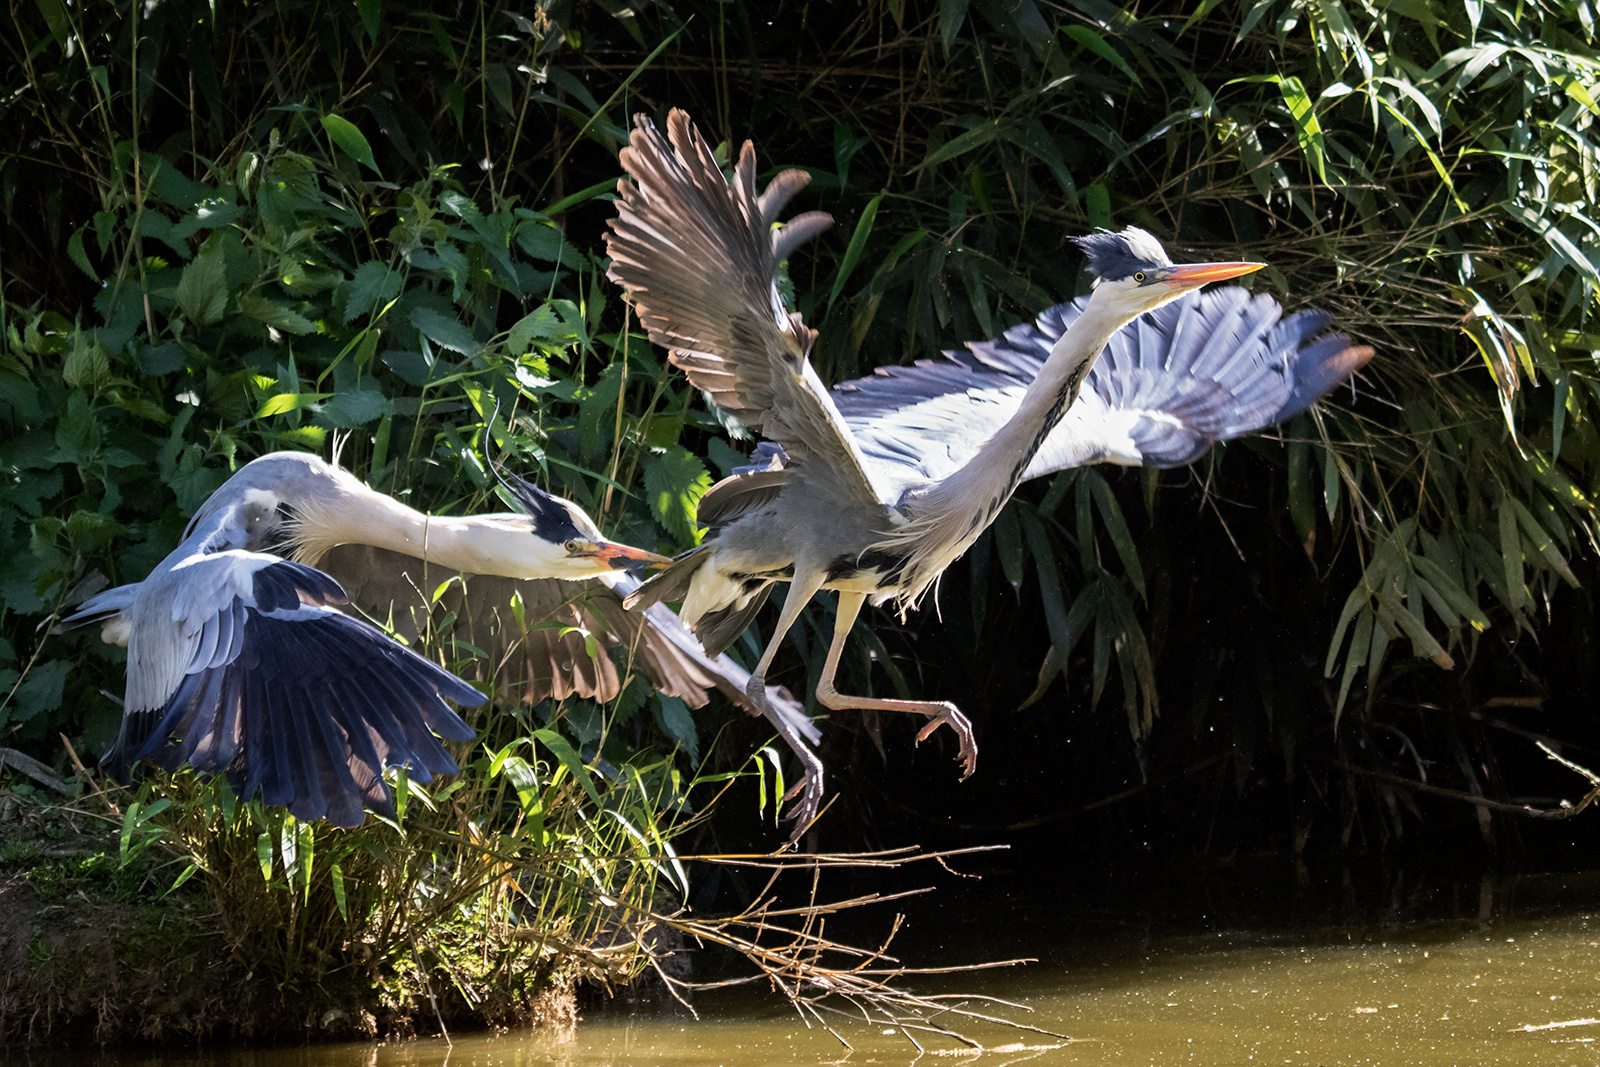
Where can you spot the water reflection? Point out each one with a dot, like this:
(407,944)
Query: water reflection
(1441,976)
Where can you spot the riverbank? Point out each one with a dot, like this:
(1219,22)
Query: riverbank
(94,951)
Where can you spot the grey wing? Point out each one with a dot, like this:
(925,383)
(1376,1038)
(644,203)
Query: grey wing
(290,698)
(546,655)
(1206,368)
(697,255)
(110,608)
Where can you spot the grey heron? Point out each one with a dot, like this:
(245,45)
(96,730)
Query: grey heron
(873,489)
(240,662)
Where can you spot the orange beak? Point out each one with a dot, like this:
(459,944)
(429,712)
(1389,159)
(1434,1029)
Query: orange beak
(627,558)
(1194,275)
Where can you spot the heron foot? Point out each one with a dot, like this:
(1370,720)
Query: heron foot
(951,716)
(808,792)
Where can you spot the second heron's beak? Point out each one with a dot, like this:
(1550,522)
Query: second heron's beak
(621,557)
(1193,275)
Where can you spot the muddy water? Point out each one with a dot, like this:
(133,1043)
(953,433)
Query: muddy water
(1464,983)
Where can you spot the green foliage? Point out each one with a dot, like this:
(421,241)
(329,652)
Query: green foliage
(276,251)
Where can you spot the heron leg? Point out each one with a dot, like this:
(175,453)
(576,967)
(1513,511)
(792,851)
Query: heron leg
(939,712)
(809,789)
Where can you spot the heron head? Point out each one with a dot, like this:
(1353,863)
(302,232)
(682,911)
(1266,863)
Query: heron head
(1133,272)
(570,542)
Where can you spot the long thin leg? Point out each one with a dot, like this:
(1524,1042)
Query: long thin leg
(939,712)
(809,789)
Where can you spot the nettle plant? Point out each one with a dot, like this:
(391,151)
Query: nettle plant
(286,301)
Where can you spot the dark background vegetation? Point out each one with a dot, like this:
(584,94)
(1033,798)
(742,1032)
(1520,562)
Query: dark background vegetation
(1254,647)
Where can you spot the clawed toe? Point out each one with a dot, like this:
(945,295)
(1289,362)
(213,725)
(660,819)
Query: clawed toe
(952,717)
(809,791)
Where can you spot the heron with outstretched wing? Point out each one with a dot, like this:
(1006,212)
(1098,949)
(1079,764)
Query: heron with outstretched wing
(873,489)
(241,662)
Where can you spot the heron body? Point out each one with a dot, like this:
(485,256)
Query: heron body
(874,489)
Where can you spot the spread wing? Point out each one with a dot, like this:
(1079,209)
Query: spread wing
(547,654)
(697,255)
(239,664)
(1209,367)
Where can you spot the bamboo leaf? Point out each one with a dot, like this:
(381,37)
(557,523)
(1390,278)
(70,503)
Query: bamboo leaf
(1452,592)
(1307,129)
(1302,509)
(1542,543)
(1360,645)
(1360,597)
(1117,527)
(562,749)
(1102,48)
(1511,558)
(858,245)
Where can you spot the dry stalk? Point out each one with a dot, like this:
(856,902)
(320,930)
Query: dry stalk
(827,980)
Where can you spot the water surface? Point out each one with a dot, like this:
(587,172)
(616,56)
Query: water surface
(1407,983)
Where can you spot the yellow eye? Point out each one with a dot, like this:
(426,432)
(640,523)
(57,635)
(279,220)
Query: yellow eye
(1138,276)
(571,546)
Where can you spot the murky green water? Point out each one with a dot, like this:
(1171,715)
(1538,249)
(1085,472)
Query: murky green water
(1391,989)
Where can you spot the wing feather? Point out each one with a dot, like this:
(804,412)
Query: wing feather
(1206,368)
(697,256)
(289,698)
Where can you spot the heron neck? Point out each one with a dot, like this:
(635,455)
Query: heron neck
(948,516)
(988,479)
(477,544)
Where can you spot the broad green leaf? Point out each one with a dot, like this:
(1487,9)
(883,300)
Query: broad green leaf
(350,140)
(203,287)
(674,482)
(287,402)
(336,878)
(79,257)
(444,331)
(1097,201)
(345,411)
(952,13)
(1307,129)
(983,133)
(542,325)
(370,288)
(371,19)
(280,317)
(673,717)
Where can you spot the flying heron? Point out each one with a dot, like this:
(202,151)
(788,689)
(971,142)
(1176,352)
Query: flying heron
(240,662)
(874,489)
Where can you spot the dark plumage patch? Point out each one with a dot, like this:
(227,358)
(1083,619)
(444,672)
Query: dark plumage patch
(890,564)
(551,519)
(308,715)
(1115,256)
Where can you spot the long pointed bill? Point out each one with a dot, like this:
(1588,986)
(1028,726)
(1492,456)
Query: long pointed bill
(626,557)
(1193,275)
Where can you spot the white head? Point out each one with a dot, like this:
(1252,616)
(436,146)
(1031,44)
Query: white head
(1132,273)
